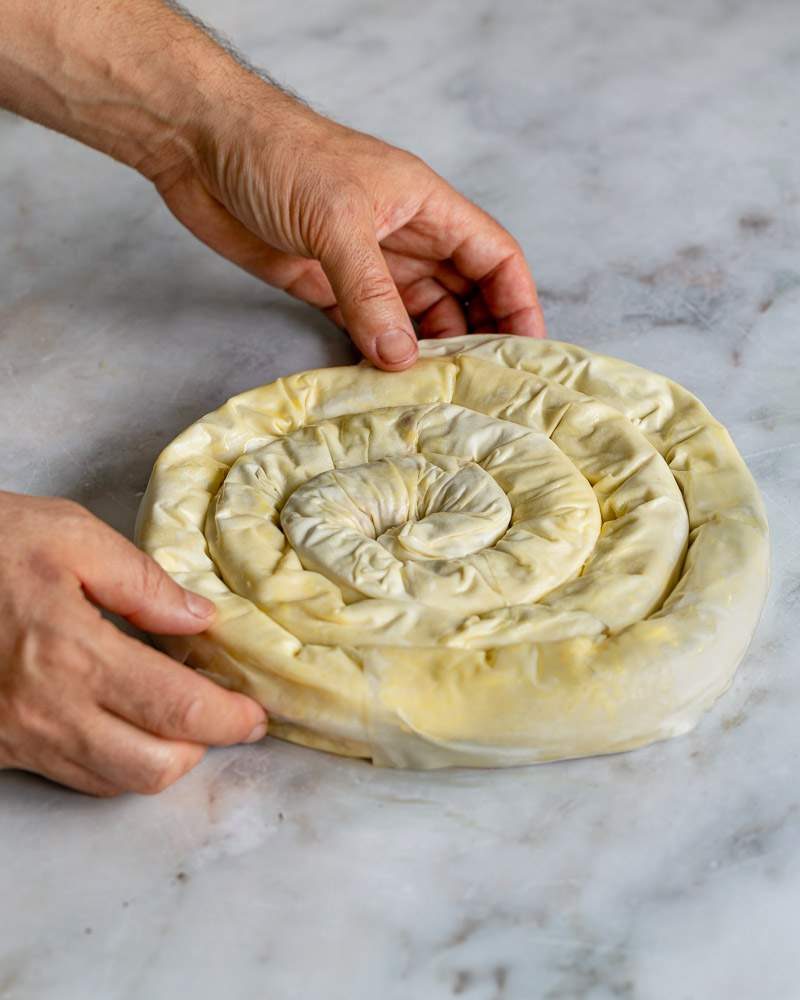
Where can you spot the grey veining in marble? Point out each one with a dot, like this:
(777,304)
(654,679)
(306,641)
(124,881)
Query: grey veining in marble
(646,155)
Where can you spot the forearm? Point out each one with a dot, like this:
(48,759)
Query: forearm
(132,78)
(363,230)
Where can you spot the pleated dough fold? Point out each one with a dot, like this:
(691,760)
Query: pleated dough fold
(516,551)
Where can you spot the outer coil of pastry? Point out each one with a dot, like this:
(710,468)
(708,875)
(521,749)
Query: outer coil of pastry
(516,551)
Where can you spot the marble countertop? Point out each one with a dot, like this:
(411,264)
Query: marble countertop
(646,155)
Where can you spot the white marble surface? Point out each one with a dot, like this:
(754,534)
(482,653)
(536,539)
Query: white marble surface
(646,155)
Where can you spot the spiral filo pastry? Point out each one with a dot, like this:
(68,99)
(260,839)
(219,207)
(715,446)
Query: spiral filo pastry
(515,551)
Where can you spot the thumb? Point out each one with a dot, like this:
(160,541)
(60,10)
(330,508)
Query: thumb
(368,299)
(123,579)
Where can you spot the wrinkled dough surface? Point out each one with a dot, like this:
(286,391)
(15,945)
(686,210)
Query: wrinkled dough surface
(516,551)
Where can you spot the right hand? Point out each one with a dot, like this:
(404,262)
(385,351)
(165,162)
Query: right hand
(81,702)
(364,231)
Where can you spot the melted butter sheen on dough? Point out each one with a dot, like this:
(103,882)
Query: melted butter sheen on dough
(516,551)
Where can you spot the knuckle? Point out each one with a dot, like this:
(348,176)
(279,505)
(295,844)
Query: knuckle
(183,718)
(166,769)
(374,287)
(72,514)
(149,786)
(151,578)
(157,778)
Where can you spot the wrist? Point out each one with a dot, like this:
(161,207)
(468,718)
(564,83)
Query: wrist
(136,80)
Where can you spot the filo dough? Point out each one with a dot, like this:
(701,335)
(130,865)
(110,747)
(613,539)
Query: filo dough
(515,551)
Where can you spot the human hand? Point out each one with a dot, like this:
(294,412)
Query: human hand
(362,230)
(81,702)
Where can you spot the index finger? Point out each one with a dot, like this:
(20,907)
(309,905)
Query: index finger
(490,256)
(155,693)
(483,252)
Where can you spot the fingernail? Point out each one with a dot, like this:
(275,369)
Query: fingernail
(258,733)
(395,346)
(197,605)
